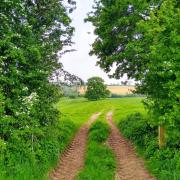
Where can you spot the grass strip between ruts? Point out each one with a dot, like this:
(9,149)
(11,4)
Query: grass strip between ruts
(100,160)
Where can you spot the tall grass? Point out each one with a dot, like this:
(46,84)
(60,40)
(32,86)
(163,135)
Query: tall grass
(44,158)
(163,163)
(100,160)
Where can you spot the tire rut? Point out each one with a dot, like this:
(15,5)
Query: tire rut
(72,160)
(129,166)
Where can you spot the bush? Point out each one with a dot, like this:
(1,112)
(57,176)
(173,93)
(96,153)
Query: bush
(28,163)
(96,89)
(136,128)
(99,132)
(113,95)
(164,164)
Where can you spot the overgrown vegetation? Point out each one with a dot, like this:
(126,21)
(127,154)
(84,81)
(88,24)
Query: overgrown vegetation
(35,163)
(32,36)
(100,160)
(141,39)
(163,163)
(113,95)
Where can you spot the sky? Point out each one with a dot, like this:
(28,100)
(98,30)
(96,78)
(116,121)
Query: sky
(80,62)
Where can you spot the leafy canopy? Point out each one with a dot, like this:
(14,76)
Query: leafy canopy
(32,36)
(141,39)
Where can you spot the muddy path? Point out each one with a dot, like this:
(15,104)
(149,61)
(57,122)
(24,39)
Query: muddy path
(129,166)
(72,159)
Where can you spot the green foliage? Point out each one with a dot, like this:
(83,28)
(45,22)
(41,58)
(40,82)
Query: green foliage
(115,22)
(23,163)
(96,89)
(161,82)
(32,35)
(164,164)
(137,129)
(99,132)
(142,39)
(113,95)
(100,160)
(1,104)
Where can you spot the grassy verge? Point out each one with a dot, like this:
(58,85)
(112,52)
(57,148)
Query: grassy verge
(100,161)
(165,163)
(44,157)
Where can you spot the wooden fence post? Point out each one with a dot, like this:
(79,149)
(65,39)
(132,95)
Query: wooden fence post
(162,140)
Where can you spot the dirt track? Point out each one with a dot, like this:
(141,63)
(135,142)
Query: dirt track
(129,166)
(72,159)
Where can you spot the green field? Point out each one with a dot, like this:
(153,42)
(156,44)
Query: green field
(134,126)
(79,110)
(100,162)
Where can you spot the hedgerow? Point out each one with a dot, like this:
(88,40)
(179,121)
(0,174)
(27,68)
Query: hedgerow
(163,163)
(32,37)
(23,163)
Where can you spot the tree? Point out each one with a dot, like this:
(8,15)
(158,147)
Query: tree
(96,89)
(160,83)
(32,36)
(1,104)
(141,39)
(33,33)
(115,26)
